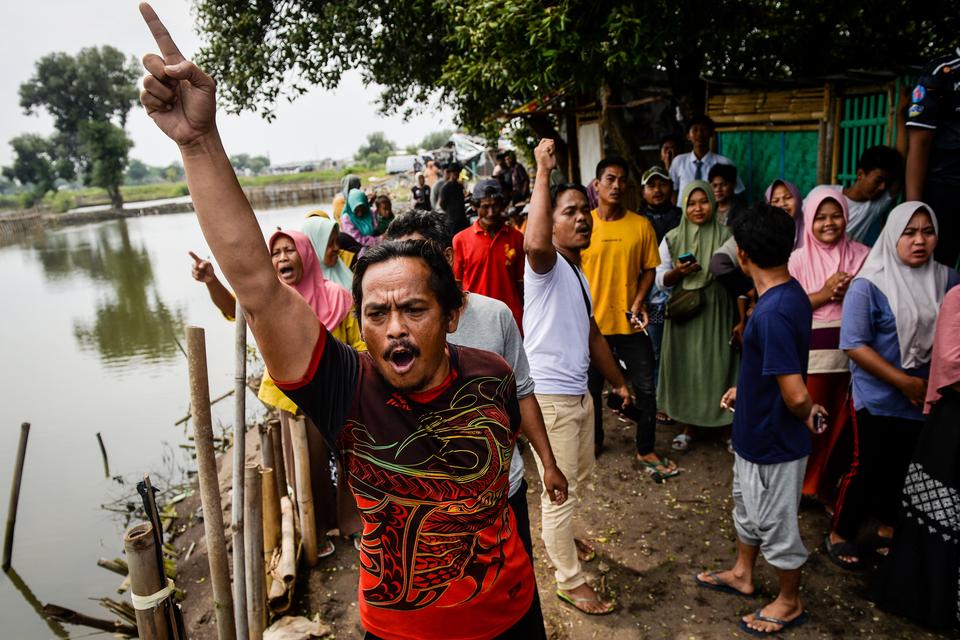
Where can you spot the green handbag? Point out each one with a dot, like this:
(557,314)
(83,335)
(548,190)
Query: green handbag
(684,305)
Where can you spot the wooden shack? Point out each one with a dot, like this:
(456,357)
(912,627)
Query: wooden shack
(809,133)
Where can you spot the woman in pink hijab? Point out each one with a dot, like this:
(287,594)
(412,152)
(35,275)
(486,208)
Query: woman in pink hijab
(297,265)
(824,264)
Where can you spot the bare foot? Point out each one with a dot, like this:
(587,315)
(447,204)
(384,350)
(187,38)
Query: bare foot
(777,609)
(742,582)
(586,600)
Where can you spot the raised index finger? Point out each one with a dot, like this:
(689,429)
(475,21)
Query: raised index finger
(195,257)
(168,48)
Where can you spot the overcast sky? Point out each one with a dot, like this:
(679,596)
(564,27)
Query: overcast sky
(318,125)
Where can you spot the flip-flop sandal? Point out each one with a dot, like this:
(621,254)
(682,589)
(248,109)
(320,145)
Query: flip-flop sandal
(355,537)
(577,603)
(845,548)
(784,624)
(681,442)
(721,586)
(585,551)
(654,467)
(327,549)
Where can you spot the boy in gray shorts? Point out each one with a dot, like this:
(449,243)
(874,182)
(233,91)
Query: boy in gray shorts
(771,428)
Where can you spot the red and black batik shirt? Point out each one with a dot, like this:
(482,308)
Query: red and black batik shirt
(440,556)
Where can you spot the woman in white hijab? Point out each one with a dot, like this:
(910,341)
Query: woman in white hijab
(889,316)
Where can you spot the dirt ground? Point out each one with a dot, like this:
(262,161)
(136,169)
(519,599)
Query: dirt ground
(651,539)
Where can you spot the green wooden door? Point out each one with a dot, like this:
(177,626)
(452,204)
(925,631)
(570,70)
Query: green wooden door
(764,156)
(863,124)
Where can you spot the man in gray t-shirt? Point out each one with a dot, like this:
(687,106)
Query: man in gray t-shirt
(488,324)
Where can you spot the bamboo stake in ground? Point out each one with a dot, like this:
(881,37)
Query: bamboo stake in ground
(253,539)
(103,453)
(271,512)
(279,467)
(301,468)
(266,449)
(15,495)
(239,462)
(209,487)
(287,567)
(146,579)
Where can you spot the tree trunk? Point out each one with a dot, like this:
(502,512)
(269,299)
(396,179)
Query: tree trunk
(116,198)
(628,147)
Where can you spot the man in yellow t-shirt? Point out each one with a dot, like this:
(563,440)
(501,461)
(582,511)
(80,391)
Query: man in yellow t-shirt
(620,265)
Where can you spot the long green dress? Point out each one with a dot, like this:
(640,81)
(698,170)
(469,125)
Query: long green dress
(697,363)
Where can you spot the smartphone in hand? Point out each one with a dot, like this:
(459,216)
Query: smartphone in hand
(686,258)
(615,402)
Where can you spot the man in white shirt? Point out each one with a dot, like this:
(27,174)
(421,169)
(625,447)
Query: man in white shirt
(696,165)
(562,341)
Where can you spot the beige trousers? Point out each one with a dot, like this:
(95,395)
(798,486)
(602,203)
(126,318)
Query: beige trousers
(569,422)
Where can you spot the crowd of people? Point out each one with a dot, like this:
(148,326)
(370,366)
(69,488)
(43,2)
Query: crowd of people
(420,345)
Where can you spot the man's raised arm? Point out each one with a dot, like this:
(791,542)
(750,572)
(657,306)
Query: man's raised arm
(181,100)
(538,236)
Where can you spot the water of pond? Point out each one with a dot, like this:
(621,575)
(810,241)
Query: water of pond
(91,316)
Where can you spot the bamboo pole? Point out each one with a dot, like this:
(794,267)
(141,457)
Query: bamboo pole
(103,453)
(287,567)
(15,495)
(279,467)
(209,486)
(239,463)
(301,467)
(253,539)
(146,579)
(271,512)
(266,449)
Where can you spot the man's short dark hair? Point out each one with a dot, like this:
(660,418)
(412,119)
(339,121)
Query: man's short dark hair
(674,138)
(556,190)
(613,161)
(441,281)
(704,120)
(726,171)
(432,225)
(881,157)
(766,234)
(456,167)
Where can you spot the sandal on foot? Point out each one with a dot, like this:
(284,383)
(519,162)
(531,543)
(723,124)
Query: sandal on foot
(719,585)
(681,442)
(662,466)
(356,540)
(663,418)
(784,624)
(585,551)
(837,549)
(578,603)
(327,549)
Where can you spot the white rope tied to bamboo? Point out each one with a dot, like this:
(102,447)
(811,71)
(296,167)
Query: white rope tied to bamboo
(144,603)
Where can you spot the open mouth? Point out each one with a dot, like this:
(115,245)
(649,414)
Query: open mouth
(286,272)
(401,359)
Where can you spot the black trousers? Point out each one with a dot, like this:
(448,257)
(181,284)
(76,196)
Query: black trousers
(635,353)
(943,198)
(521,512)
(882,447)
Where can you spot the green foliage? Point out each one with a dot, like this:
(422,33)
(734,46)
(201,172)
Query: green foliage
(89,96)
(436,139)
(104,148)
(59,201)
(99,83)
(484,57)
(34,165)
(242,162)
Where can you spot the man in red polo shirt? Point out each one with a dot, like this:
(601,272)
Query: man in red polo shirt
(488,255)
